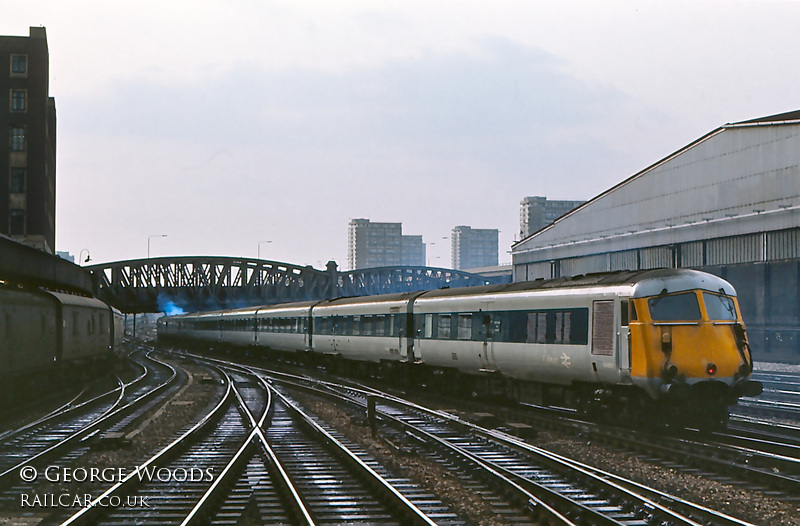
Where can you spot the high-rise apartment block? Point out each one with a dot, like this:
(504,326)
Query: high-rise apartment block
(412,251)
(537,212)
(27,142)
(474,247)
(382,245)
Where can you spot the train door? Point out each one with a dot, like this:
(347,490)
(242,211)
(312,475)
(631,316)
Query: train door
(336,326)
(624,340)
(488,335)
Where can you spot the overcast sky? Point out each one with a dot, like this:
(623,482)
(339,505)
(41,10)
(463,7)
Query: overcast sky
(224,124)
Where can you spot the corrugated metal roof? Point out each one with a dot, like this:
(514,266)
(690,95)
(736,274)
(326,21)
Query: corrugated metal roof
(793,117)
(781,117)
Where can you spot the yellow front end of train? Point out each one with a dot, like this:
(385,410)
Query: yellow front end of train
(689,349)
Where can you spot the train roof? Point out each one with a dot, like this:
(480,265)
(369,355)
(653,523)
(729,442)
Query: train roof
(644,282)
(398,296)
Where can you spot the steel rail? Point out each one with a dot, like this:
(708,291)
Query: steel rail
(84,514)
(414,513)
(113,411)
(607,485)
(70,406)
(256,434)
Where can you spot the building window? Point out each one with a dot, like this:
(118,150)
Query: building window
(18,102)
(17,180)
(17,225)
(17,139)
(19,65)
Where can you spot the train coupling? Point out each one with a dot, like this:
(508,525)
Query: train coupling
(676,390)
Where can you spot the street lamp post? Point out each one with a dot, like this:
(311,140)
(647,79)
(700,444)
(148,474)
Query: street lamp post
(259,247)
(148,242)
(80,256)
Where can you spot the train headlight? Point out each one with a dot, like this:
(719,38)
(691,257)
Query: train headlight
(711,369)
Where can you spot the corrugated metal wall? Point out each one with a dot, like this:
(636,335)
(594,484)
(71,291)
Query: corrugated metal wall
(732,250)
(692,254)
(584,265)
(783,245)
(629,259)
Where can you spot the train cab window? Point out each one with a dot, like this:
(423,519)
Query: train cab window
(719,307)
(443,328)
(674,307)
(632,311)
(464,327)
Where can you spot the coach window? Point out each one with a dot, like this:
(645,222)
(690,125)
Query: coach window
(428,326)
(366,325)
(537,327)
(380,325)
(443,332)
(464,327)
(562,327)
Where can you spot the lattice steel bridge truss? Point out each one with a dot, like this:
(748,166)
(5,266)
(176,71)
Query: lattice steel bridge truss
(208,283)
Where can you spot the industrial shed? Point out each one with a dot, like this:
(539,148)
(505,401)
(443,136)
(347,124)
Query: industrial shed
(728,203)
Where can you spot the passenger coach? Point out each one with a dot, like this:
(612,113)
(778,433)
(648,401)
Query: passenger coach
(666,344)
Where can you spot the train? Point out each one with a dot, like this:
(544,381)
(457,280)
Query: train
(659,346)
(43,332)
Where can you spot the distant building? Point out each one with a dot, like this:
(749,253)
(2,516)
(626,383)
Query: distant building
(27,142)
(412,251)
(474,247)
(372,245)
(537,212)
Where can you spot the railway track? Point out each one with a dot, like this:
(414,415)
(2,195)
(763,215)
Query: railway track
(540,484)
(61,436)
(295,472)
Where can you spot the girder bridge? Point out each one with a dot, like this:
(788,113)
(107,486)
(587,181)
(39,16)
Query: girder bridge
(207,283)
